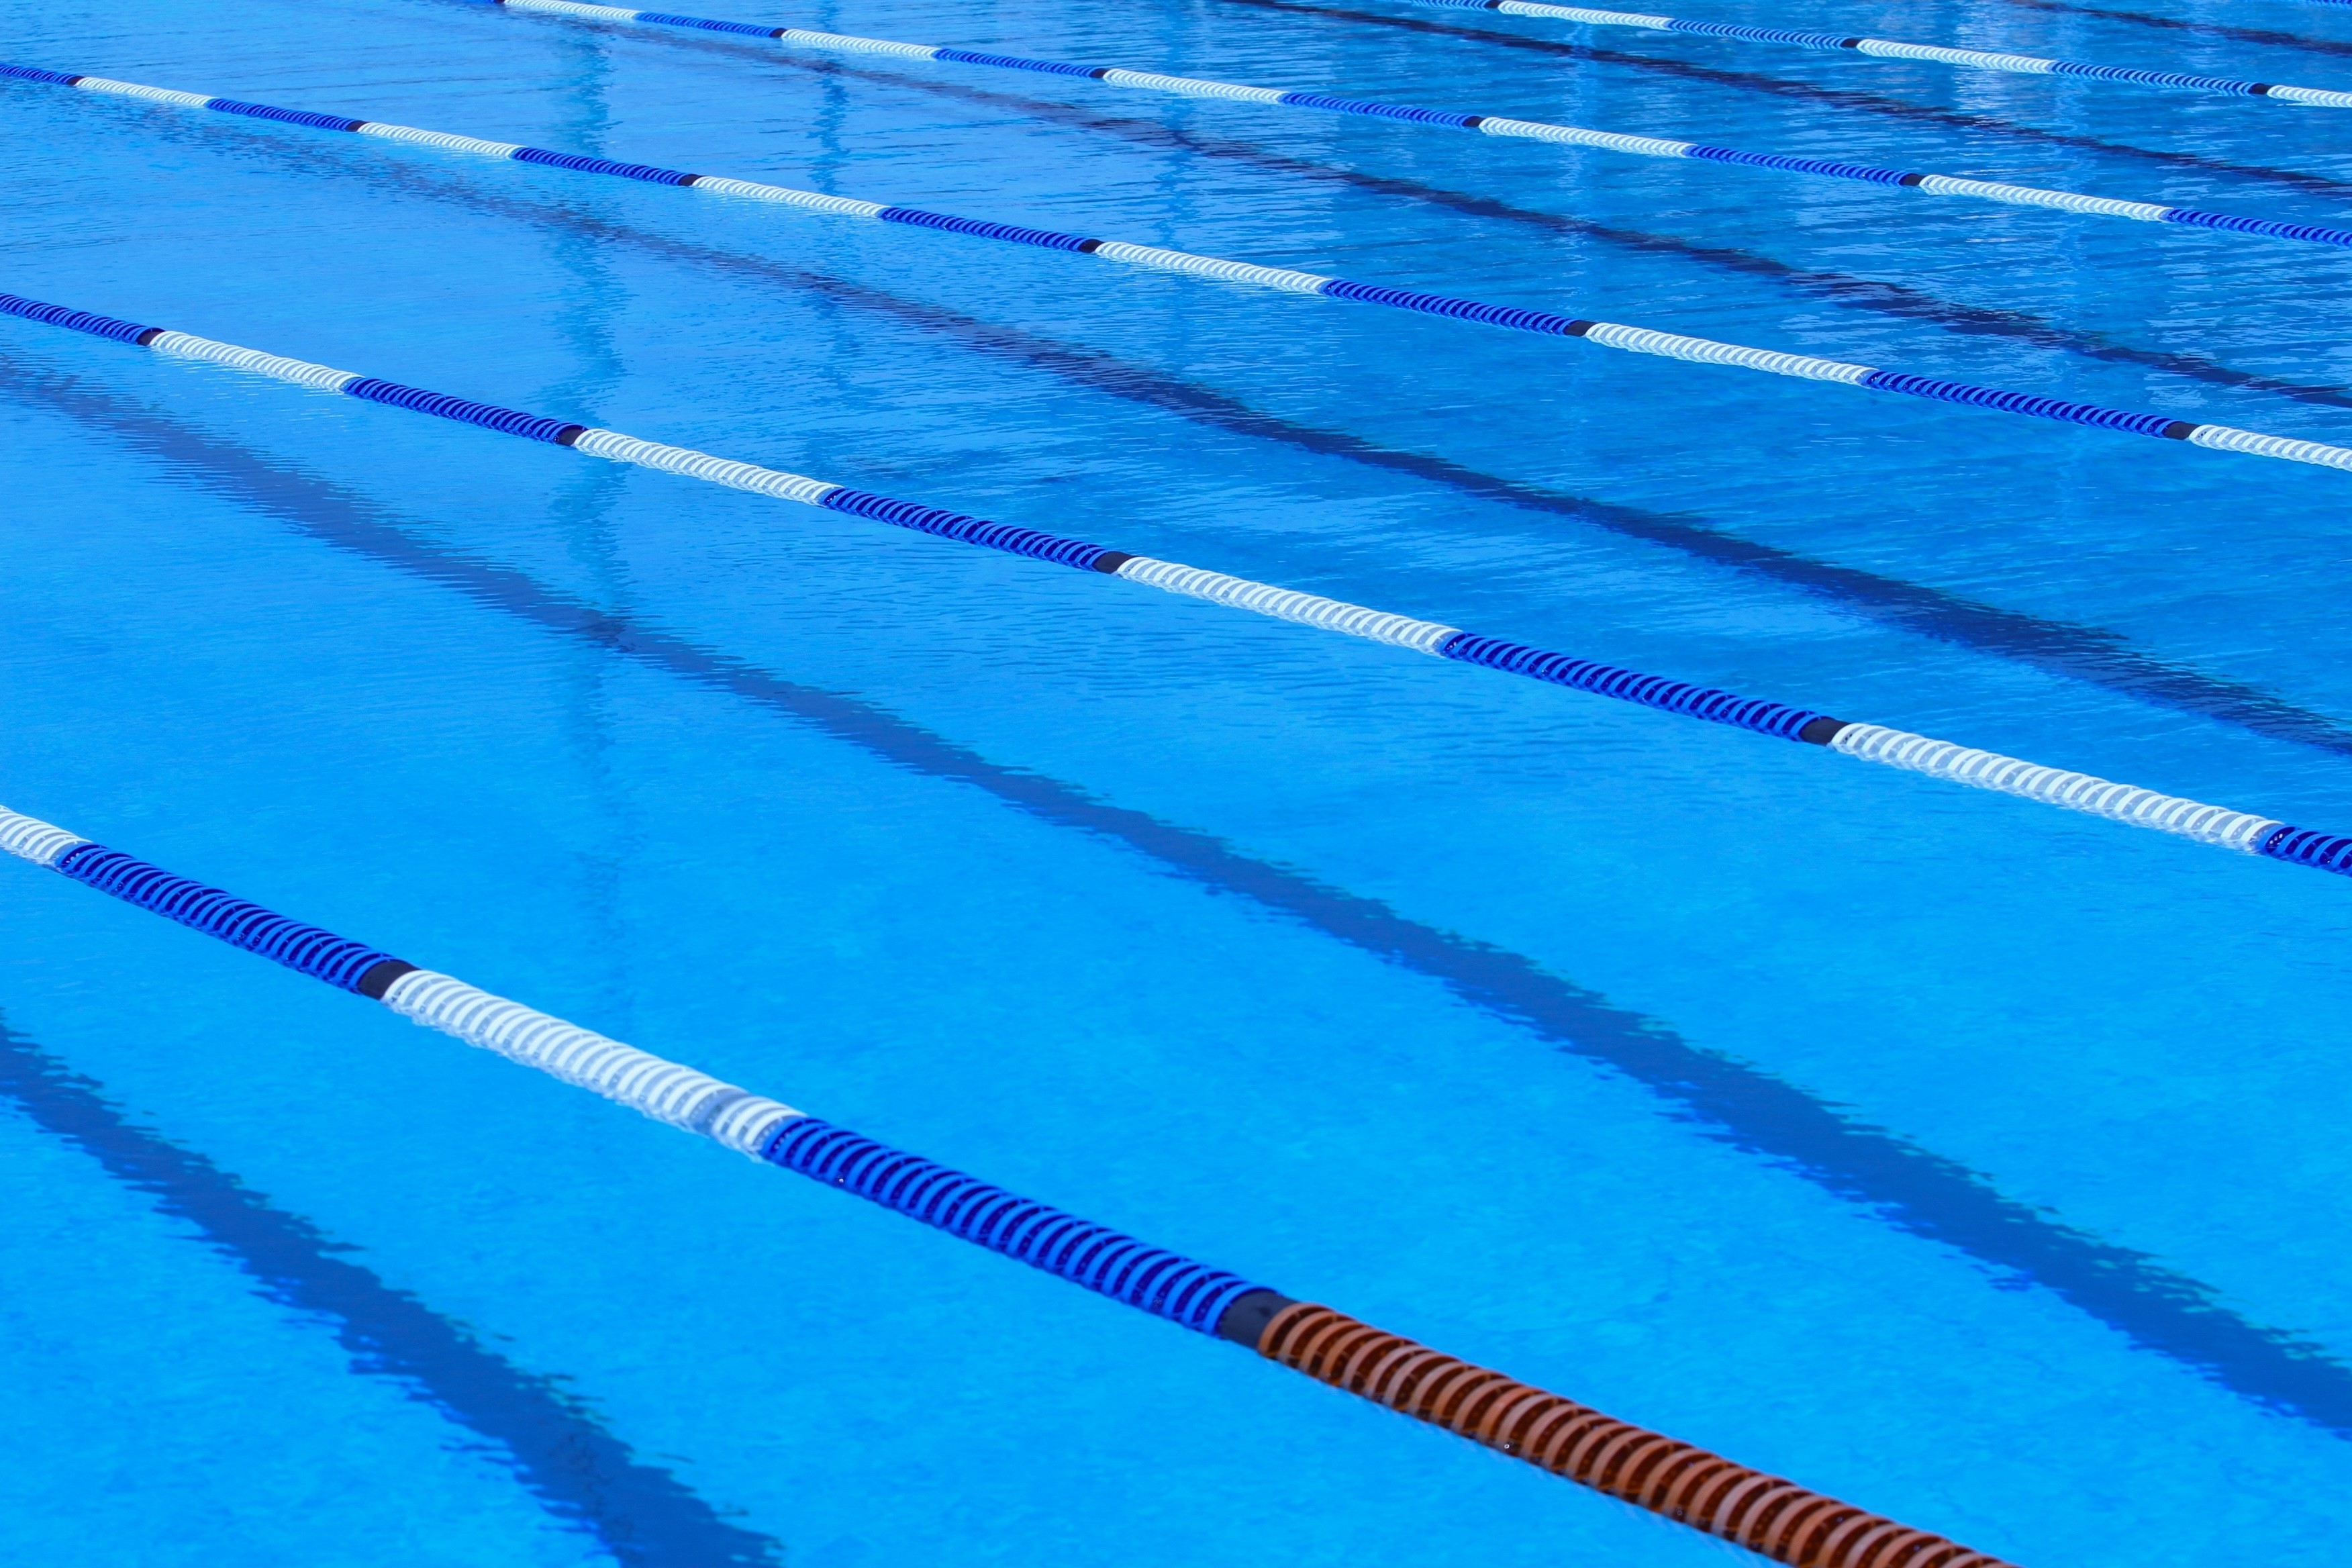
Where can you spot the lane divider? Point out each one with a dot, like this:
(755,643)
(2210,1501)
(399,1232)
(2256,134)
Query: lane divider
(2074,202)
(2213,825)
(1889,49)
(1548,323)
(1764,1514)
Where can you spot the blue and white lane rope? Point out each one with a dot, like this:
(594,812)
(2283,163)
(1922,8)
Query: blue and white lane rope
(1690,1485)
(1119,1266)
(2074,202)
(1871,742)
(1889,49)
(1546,324)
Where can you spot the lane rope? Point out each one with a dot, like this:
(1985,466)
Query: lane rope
(1690,1485)
(1548,323)
(2128,804)
(1890,49)
(2074,202)
(2072,651)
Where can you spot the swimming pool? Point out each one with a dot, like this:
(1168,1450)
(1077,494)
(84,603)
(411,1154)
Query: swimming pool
(1972,1160)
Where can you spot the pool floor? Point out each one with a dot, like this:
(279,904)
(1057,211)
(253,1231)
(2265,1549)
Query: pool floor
(1977,1162)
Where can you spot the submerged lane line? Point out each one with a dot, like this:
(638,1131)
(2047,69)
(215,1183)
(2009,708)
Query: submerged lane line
(1687,1484)
(1892,748)
(560,1451)
(2093,655)
(1871,1171)
(1815,93)
(1546,324)
(1869,103)
(1888,48)
(2074,202)
(1874,296)
(2225,31)
(1854,291)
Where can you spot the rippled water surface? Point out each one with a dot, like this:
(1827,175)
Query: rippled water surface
(1977,1161)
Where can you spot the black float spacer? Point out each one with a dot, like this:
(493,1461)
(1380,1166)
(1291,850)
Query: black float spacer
(379,976)
(1820,732)
(1246,1318)
(1110,560)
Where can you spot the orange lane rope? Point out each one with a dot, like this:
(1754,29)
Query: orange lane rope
(1779,1519)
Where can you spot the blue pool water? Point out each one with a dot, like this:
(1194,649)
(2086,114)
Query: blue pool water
(1977,1161)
